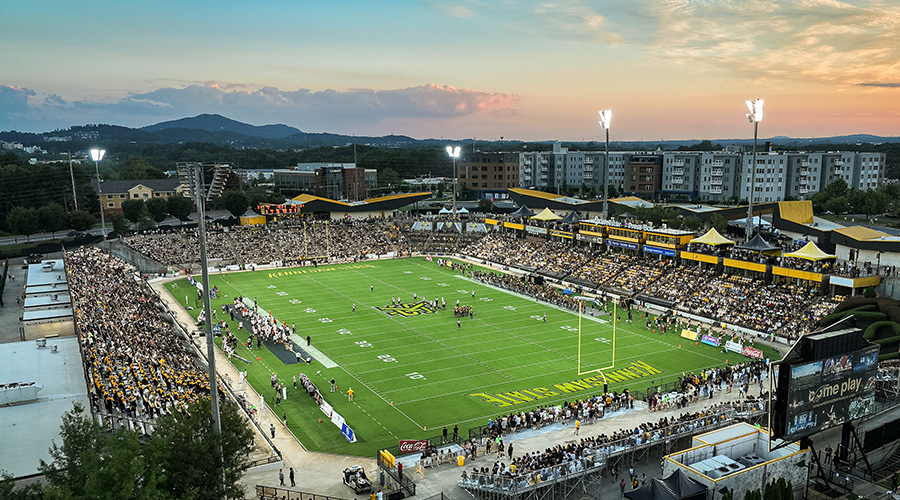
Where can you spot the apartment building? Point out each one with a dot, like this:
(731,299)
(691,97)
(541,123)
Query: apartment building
(705,175)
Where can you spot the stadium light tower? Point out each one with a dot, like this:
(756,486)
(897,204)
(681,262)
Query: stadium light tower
(192,175)
(454,153)
(97,155)
(754,116)
(605,117)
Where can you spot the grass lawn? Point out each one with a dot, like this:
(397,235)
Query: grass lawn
(414,368)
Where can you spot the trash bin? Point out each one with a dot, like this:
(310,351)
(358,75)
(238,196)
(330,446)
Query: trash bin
(461,461)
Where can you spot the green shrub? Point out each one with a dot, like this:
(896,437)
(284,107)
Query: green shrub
(882,330)
(853,303)
(889,355)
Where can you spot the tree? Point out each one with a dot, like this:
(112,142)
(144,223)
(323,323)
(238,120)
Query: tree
(51,218)
(185,446)
(718,222)
(389,178)
(8,491)
(77,457)
(235,202)
(837,187)
(22,220)
(158,208)
(118,222)
(138,167)
(180,207)
(692,222)
(80,220)
(134,210)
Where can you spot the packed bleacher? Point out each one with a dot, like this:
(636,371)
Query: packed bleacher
(285,243)
(138,365)
(519,469)
(784,310)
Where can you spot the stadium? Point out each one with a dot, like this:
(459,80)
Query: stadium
(359,333)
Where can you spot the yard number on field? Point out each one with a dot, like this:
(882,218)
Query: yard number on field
(325,320)
(344,331)
(416,376)
(295,301)
(510,308)
(387,358)
(603,339)
(281,293)
(363,343)
(569,328)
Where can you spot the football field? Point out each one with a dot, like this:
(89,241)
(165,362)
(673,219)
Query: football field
(414,367)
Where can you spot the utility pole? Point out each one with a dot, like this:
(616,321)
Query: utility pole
(74,194)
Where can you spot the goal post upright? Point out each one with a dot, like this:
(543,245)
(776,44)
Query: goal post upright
(581,300)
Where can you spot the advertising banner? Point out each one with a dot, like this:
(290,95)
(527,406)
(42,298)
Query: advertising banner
(413,445)
(621,244)
(710,340)
(348,433)
(659,251)
(830,392)
(734,347)
(752,353)
(326,408)
(337,419)
(535,230)
(689,335)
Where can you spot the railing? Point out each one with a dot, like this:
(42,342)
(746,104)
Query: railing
(678,171)
(718,172)
(272,493)
(716,182)
(677,180)
(718,163)
(715,190)
(535,479)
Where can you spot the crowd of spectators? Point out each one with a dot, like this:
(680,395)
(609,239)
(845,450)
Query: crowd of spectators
(512,471)
(552,256)
(138,366)
(771,309)
(785,310)
(680,282)
(287,243)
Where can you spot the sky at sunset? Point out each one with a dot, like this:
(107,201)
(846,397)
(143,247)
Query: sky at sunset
(669,69)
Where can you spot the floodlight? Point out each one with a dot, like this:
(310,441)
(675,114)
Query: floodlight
(453,152)
(605,117)
(97,154)
(756,111)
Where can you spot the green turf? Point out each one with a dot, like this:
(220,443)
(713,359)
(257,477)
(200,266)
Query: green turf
(435,374)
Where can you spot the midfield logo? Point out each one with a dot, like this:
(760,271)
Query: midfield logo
(407,310)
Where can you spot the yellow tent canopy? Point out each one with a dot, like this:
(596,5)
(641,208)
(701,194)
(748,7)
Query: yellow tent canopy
(546,214)
(810,252)
(713,238)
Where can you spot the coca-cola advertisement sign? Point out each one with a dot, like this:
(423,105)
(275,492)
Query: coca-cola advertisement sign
(413,446)
(753,353)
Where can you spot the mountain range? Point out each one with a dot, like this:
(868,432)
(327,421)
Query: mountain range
(217,129)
